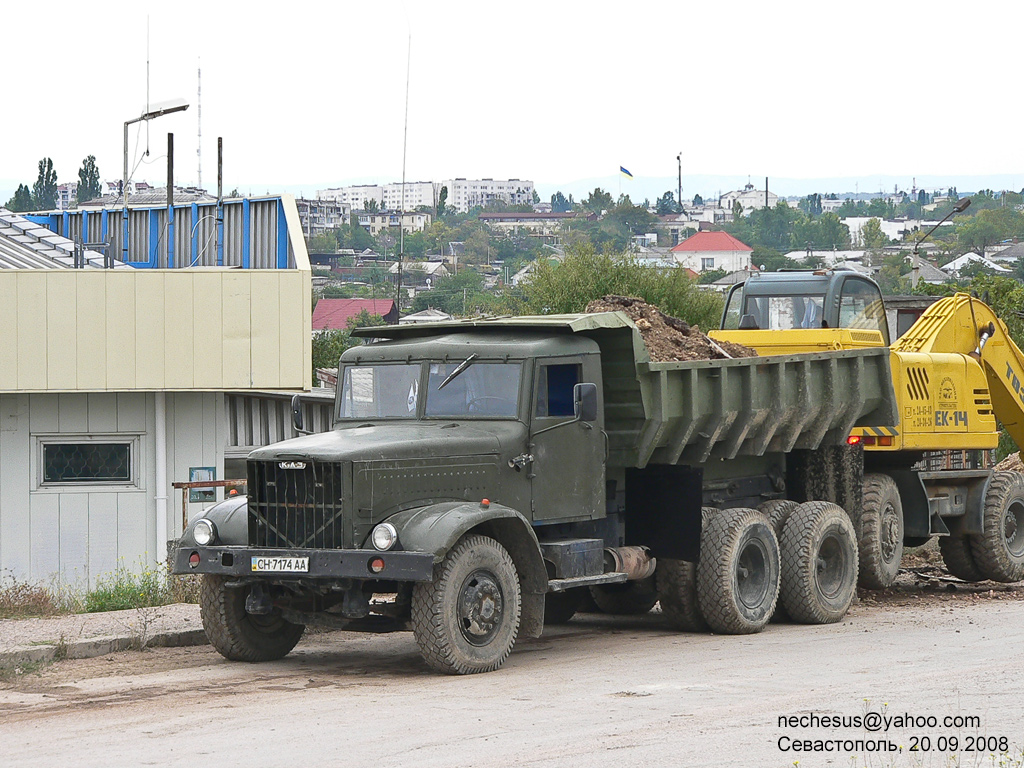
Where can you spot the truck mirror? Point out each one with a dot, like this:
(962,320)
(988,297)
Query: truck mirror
(584,398)
(297,414)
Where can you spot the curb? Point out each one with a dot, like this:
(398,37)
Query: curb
(97,646)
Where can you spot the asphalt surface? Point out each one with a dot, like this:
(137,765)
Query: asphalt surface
(601,691)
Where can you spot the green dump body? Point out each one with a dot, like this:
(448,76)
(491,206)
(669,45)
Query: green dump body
(693,411)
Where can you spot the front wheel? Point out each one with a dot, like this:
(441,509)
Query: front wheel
(238,635)
(999,550)
(467,619)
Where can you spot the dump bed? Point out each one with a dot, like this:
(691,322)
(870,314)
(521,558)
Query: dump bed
(689,412)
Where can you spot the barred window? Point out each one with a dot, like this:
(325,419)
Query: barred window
(87,462)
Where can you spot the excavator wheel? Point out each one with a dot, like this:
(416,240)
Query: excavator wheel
(999,550)
(880,532)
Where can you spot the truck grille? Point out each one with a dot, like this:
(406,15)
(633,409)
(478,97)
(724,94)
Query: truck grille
(295,505)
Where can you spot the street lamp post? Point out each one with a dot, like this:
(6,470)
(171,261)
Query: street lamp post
(960,207)
(155,111)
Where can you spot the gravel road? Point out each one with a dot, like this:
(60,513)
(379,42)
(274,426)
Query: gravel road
(601,691)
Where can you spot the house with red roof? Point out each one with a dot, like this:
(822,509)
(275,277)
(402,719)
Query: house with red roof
(712,250)
(334,314)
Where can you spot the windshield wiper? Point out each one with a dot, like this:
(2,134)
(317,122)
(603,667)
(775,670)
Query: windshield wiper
(461,367)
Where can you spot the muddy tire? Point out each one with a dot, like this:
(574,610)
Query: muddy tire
(466,619)
(559,607)
(677,592)
(238,635)
(631,598)
(880,532)
(738,572)
(819,563)
(778,512)
(999,550)
(956,554)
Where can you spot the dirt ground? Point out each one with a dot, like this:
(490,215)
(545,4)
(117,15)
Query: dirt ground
(669,338)
(600,691)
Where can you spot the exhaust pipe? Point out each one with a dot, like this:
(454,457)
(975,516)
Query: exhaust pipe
(635,562)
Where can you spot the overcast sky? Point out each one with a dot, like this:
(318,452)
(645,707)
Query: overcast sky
(313,93)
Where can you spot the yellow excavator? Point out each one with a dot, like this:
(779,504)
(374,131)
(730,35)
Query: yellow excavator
(956,373)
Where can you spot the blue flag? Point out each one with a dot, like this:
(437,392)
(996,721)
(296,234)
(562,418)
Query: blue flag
(626,172)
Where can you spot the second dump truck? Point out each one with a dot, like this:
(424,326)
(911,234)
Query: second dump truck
(482,475)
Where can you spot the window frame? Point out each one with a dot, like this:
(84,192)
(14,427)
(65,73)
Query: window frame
(133,440)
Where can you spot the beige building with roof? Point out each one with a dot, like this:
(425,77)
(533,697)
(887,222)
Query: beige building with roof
(115,383)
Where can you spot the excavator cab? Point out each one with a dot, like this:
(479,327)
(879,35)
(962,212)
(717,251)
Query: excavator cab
(820,309)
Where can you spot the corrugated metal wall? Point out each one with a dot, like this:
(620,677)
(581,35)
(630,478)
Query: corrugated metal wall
(259,233)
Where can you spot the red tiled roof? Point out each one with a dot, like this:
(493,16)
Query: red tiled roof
(333,314)
(711,241)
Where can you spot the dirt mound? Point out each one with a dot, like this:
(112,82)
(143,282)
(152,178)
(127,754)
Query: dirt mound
(1011,463)
(668,338)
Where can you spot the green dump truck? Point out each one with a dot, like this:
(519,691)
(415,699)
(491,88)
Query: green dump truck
(483,476)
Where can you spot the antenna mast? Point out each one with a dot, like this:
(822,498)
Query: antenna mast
(199,102)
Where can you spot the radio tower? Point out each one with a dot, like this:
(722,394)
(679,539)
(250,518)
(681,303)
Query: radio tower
(199,143)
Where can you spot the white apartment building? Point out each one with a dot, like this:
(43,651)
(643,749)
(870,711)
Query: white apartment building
(319,216)
(463,194)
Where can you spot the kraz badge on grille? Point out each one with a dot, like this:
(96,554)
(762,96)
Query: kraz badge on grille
(281,564)
(292,465)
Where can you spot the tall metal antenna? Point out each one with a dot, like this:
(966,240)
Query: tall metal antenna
(199,102)
(147,92)
(405,141)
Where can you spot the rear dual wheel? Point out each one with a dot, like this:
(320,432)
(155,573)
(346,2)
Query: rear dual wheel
(819,563)
(738,571)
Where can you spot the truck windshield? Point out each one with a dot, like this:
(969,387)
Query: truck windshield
(480,390)
(380,391)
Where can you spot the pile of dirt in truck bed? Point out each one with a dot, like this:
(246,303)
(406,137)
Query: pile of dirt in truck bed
(1011,463)
(669,338)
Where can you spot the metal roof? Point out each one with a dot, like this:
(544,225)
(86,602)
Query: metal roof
(26,245)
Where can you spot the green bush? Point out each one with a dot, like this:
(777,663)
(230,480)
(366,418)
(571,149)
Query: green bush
(126,588)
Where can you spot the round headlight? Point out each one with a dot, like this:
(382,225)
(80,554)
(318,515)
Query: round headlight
(204,532)
(384,537)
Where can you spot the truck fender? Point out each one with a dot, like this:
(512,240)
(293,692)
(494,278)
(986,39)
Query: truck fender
(231,517)
(437,527)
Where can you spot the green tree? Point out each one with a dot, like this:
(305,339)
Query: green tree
(561,204)
(535,198)
(667,204)
(442,199)
(44,191)
(88,180)
(871,235)
(598,201)
(585,275)
(698,200)
(458,295)
(811,205)
(21,201)
(370,205)
(325,242)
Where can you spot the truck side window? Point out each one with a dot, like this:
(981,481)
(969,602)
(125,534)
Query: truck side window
(555,387)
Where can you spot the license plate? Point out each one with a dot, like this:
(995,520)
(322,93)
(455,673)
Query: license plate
(280,564)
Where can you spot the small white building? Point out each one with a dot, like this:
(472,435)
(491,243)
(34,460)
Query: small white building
(956,265)
(115,383)
(712,250)
(750,198)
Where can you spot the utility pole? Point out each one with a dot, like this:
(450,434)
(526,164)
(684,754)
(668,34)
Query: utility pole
(679,160)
